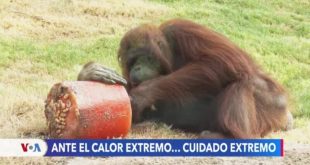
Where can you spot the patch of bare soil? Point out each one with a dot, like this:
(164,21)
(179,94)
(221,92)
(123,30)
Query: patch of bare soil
(69,19)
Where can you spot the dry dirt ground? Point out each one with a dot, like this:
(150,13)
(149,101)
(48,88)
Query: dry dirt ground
(22,102)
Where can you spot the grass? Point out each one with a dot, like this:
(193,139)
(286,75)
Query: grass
(44,42)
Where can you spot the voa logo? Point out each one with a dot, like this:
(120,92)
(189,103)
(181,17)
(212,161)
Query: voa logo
(31,147)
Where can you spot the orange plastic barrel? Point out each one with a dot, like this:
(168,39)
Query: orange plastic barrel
(86,109)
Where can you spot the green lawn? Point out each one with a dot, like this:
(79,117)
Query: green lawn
(275,32)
